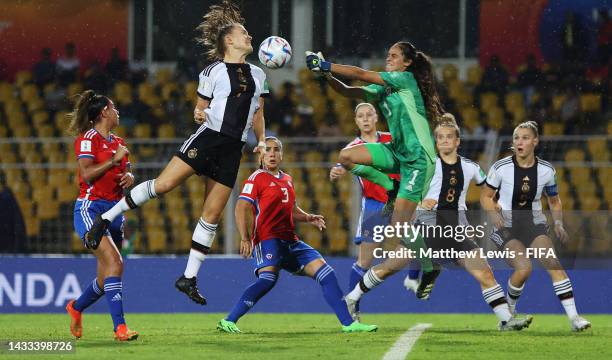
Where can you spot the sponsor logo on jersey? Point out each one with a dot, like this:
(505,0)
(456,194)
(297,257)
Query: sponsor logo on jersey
(104,146)
(272,183)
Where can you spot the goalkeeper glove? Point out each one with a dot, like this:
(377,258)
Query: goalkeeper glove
(316,62)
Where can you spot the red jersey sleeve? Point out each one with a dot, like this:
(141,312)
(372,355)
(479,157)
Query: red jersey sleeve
(84,148)
(250,190)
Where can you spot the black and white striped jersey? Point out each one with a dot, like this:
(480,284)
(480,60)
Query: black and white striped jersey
(233,91)
(520,189)
(449,186)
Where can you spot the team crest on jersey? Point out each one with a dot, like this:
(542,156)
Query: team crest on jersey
(192,153)
(269,256)
(525,187)
(453,181)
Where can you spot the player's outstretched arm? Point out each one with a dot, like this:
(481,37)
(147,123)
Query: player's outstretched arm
(244,222)
(316,63)
(345,90)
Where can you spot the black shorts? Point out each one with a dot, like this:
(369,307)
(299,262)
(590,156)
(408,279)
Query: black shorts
(524,233)
(213,154)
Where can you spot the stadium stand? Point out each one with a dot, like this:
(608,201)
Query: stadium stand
(38,165)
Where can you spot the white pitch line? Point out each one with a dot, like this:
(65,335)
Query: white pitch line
(404,344)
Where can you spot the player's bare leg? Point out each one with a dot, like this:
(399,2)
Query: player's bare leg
(175,173)
(216,198)
(561,284)
(493,293)
(522,270)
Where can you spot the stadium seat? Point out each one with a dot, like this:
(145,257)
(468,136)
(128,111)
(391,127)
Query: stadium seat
(6,91)
(45,131)
(574,155)
(474,75)
(557,102)
(514,100)
(163,76)
(519,115)
(471,118)
(22,131)
(47,210)
(22,78)
(35,104)
(598,148)
(74,89)
(449,73)
(488,101)
(67,193)
(166,131)
(29,92)
(580,175)
(156,239)
(142,131)
(553,128)
(167,90)
(3,131)
(40,118)
(495,118)
(590,204)
(590,103)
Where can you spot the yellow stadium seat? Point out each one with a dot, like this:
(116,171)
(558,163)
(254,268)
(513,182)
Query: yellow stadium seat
(514,100)
(40,118)
(557,102)
(590,204)
(553,129)
(61,120)
(488,101)
(120,131)
(519,115)
(74,89)
(166,131)
(598,149)
(32,225)
(6,91)
(142,131)
(45,131)
(29,92)
(338,241)
(580,175)
(449,73)
(167,90)
(163,76)
(156,239)
(3,131)
(456,89)
(22,131)
(47,210)
(67,193)
(474,75)
(35,105)
(590,102)
(495,118)
(22,78)
(123,89)
(574,155)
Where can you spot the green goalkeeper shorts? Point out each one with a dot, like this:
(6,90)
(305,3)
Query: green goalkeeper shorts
(415,176)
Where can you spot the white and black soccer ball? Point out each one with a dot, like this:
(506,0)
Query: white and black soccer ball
(274,52)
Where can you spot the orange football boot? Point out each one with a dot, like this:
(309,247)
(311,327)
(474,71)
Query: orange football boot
(124,334)
(76,325)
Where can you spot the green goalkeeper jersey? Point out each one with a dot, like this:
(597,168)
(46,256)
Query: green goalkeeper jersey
(401,103)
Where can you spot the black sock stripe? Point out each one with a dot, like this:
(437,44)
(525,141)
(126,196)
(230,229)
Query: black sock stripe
(150,189)
(493,294)
(562,286)
(207,227)
(372,278)
(495,303)
(199,247)
(565,296)
(363,287)
(130,201)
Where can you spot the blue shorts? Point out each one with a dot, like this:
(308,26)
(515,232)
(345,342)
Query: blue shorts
(370,216)
(291,256)
(85,211)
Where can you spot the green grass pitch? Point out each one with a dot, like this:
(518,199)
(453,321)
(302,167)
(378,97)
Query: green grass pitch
(314,336)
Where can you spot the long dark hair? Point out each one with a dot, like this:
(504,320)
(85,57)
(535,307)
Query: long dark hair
(422,68)
(86,112)
(216,24)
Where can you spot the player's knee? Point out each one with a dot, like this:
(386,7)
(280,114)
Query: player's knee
(487,279)
(114,265)
(212,216)
(162,186)
(345,158)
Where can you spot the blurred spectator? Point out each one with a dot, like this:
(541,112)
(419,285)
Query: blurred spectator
(68,65)
(133,112)
(44,70)
(529,78)
(574,42)
(186,66)
(12,226)
(286,108)
(604,36)
(330,122)
(138,71)
(495,77)
(116,68)
(570,108)
(96,79)
(304,125)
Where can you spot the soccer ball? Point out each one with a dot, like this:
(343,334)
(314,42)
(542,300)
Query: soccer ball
(274,52)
